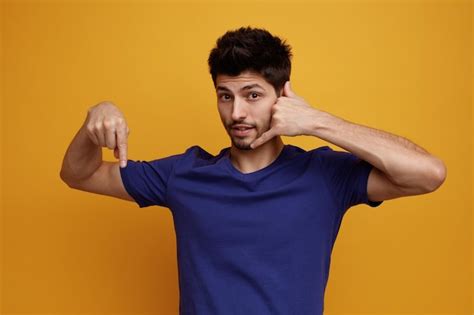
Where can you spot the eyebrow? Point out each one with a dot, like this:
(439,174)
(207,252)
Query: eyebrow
(247,87)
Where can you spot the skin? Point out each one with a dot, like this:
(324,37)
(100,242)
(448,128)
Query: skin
(401,168)
(251,107)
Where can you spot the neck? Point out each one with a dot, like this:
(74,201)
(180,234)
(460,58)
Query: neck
(248,161)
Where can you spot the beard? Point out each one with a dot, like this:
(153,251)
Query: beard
(243,143)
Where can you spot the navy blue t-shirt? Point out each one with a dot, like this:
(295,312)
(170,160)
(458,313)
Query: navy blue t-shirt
(252,243)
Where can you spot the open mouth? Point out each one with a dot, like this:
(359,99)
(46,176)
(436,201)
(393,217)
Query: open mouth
(242,131)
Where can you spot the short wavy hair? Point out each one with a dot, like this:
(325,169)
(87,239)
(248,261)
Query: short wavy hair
(251,49)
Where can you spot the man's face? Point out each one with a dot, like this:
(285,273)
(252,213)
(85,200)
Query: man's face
(245,100)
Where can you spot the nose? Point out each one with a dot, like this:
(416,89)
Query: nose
(239,110)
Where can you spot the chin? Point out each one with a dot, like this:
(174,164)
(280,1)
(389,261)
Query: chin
(242,144)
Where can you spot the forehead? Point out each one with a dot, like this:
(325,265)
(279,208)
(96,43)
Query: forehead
(245,79)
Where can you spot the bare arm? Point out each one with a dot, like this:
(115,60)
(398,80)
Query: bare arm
(83,167)
(401,168)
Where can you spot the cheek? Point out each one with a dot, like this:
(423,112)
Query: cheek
(223,120)
(264,115)
(223,112)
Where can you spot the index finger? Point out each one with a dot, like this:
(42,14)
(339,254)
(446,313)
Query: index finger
(122,145)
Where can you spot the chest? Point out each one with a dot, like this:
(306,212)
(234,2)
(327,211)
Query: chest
(227,212)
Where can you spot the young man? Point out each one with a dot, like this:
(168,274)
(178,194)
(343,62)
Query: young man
(256,223)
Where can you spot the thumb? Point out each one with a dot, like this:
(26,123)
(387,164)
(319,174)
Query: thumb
(287,91)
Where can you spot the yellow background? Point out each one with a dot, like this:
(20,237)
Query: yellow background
(404,67)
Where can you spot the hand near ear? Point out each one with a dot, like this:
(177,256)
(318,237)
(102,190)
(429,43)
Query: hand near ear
(291,116)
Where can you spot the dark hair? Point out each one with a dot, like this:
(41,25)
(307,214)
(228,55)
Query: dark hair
(253,49)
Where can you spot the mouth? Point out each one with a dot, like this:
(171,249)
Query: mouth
(242,131)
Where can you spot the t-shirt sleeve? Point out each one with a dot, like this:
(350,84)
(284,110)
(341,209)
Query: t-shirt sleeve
(346,176)
(147,181)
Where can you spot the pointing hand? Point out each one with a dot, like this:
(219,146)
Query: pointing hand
(106,127)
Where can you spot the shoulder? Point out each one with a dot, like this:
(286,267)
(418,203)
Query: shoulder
(315,153)
(327,153)
(329,159)
(322,150)
(198,152)
(198,156)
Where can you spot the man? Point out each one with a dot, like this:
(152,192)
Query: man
(256,223)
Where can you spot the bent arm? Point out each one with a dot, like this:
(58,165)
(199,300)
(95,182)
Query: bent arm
(83,168)
(83,157)
(403,168)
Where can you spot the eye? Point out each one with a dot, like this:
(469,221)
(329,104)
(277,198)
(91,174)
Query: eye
(253,93)
(223,95)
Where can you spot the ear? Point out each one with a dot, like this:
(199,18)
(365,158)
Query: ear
(280,92)
(287,91)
